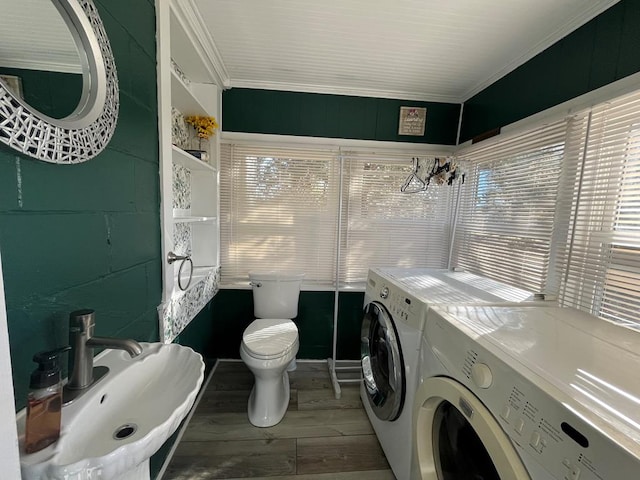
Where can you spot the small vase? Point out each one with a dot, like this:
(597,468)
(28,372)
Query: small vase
(199,143)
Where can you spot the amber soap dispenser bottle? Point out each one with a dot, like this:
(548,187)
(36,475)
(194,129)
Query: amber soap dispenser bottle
(44,402)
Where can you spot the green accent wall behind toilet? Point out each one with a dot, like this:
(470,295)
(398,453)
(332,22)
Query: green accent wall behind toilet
(88,235)
(233,312)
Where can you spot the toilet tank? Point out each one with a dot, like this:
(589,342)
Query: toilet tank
(275,293)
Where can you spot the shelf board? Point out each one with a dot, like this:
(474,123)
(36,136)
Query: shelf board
(194,219)
(184,100)
(187,160)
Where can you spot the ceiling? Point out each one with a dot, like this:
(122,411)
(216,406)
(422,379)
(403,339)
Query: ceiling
(34,35)
(431,50)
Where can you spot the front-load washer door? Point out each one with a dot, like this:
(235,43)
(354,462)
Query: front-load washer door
(382,362)
(457,438)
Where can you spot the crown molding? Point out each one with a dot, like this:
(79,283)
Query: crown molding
(586,15)
(187,13)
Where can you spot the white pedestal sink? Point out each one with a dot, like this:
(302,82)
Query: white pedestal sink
(111,431)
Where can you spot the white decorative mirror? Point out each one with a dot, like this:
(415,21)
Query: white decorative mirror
(63,37)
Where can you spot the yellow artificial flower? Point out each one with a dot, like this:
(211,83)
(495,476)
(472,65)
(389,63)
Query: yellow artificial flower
(205,126)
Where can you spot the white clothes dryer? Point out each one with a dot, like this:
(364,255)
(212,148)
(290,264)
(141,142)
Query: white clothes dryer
(396,303)
(526,392)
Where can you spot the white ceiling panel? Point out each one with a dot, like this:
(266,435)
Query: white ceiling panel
(34,35)
(412,49)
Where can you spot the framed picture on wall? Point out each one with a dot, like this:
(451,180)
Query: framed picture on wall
(14,84)
(412,121)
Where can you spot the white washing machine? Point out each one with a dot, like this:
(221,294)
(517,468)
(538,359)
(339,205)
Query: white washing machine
(396,302)
(526,392)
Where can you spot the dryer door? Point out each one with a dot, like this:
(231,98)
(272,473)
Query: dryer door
(382,362)
(457,438)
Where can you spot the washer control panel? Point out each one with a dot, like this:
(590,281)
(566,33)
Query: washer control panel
(403,306)
(549,432)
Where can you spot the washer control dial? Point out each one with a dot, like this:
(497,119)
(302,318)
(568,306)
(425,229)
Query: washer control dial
(384,293)
(481,375)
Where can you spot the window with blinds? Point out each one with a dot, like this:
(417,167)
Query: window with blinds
(279,210)
(382,226)
(601,261)
(507,209)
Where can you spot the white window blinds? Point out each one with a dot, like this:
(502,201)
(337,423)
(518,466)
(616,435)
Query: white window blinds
(506,215)
(601,261)
(382,226)
(279,210)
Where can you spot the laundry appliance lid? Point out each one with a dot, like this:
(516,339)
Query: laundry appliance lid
(442,286)
(588,363)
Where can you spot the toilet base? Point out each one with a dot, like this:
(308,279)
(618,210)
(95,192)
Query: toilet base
(268,401)
(292,366)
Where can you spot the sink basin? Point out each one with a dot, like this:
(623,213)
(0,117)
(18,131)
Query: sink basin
(111,431)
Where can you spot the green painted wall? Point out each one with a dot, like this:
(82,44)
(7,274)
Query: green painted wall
(600,52)
(233,312)
(332,116)
(88,235)
(199,333)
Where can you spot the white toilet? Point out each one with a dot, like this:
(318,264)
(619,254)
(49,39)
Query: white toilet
(270,343)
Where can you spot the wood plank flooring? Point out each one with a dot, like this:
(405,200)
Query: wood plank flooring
(320,438)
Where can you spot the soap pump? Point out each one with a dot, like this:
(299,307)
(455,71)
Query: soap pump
(44,402)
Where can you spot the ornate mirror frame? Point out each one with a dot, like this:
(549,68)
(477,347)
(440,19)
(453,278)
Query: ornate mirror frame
(87,131)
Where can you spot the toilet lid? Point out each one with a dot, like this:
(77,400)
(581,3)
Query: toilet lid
(270,337)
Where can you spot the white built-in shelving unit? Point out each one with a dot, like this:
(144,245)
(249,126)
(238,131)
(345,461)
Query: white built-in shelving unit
(187,81)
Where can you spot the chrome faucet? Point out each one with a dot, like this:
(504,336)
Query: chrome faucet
(82,373)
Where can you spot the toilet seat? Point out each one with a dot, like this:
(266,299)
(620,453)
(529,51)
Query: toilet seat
(269,338)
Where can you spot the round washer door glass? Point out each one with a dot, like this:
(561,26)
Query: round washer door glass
(460,452)
(382,363)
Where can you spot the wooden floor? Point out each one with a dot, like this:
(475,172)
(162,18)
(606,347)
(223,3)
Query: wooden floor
(320,438)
